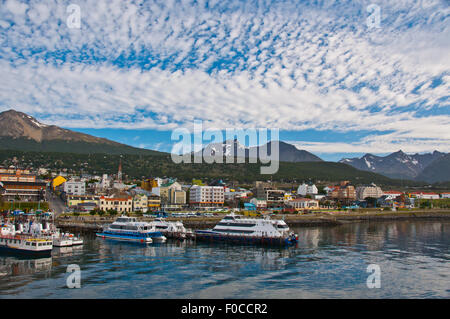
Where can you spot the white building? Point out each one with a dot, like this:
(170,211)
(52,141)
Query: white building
(427,195)
(105,183)
(206,196)
(445,195)
(306,189)
(259,203)
(366,191)
(303,203)
(75,187)
(120,204)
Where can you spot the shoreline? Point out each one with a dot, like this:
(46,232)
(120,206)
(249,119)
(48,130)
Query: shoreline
(90,224)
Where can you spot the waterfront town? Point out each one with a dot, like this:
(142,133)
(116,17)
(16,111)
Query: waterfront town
(30,190)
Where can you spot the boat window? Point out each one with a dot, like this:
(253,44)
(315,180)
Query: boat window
(236,224)
(34,244)
(243,231)
(283,226)
(228,218)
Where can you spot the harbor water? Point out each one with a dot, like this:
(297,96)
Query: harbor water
(328,262)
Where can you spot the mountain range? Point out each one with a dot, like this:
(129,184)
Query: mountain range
(287,152)
(20,131)
(430,167)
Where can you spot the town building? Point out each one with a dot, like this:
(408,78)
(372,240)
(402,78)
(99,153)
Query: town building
(120,203)
(366,191)
(73,187)
(303,203)
(275,197)
(392,194)
(424,195)
(140,203)
(153,202)
(16,175)
(445,195)
(261,188)
(58,181)
(165,190)
(206,196)
(345,192)
(260,203)
(23,191)
(76,200)
(307,189)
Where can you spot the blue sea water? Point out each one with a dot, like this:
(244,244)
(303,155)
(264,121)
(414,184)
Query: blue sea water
(328,262)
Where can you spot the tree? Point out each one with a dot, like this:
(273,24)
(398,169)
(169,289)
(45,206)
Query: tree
(101,212)
(112,212)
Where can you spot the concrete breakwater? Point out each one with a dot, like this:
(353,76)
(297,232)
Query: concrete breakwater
(90,224)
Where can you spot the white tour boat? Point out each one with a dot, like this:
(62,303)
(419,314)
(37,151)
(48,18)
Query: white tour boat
(129,229)
(240,229)
(172,229)
(20,244)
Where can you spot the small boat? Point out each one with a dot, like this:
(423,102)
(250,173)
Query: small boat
(20,244)
(171,229)
(239,229)
(77,240)
(61,240)
(129,229)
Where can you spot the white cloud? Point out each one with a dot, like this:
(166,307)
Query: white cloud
(284,64)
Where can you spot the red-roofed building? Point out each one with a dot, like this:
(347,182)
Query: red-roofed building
(424,195)
(120,204)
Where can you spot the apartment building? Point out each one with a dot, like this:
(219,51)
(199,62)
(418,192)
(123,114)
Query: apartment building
(140,203)
(73,187)
(366,191)
(206,196)
(306,189)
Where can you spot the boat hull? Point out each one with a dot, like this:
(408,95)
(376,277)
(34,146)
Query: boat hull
(11,251)
(62,243)
(253,240)
(126,238)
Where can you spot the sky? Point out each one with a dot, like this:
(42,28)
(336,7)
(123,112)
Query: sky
(337,78)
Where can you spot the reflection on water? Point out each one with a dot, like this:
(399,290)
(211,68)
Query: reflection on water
(327,262)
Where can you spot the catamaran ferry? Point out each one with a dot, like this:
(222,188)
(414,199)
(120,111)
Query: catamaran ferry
(172,229)
(14,243)
(236,228)
(129,229)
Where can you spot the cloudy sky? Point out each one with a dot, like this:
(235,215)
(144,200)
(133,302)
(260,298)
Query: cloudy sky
(326,73)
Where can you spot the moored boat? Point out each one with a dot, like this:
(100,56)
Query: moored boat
(129,229)
(20,244)
(171,229)
(238,229)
